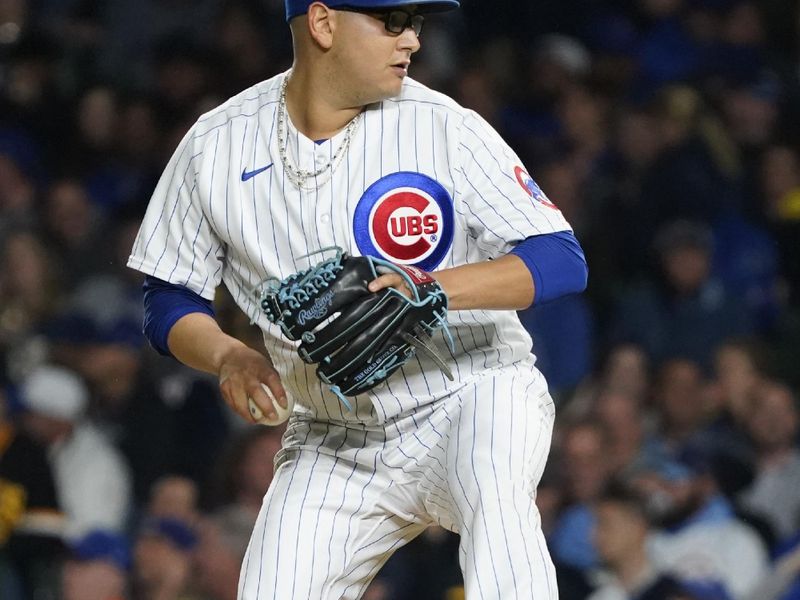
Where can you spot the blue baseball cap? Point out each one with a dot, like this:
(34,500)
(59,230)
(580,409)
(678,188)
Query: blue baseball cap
(299,7)
(103,545)
(179,533)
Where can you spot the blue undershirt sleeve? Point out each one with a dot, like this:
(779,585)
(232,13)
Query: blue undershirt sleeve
(557,265)
(164,304)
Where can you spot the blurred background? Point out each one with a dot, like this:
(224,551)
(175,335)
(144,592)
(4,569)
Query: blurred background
(667,131)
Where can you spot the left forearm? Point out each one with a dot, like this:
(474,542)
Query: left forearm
(501,284)
(542,268)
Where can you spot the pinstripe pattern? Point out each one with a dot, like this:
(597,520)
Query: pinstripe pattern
(352,487)
(346,495)
(205,226)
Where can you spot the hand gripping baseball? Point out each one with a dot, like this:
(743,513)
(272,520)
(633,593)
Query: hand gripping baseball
(357,337)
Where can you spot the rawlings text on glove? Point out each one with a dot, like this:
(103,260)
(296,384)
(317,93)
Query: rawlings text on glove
(358,338)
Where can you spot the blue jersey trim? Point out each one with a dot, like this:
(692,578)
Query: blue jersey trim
(557,265)
(164,304)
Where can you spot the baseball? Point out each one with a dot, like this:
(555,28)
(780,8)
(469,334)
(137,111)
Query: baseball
(282,413)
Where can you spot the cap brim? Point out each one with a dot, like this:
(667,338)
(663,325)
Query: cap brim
(435,6)
(296,8)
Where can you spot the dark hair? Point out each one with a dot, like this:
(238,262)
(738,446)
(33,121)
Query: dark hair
(618,491)
(756,350)
(682,233)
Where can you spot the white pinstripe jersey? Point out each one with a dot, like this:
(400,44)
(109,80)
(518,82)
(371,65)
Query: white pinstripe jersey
(423,182)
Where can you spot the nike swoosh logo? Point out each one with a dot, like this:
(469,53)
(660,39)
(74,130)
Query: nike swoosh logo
(250,174)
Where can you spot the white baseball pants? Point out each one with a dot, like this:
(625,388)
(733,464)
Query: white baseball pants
(346,496)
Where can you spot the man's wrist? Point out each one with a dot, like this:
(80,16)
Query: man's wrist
(224,350)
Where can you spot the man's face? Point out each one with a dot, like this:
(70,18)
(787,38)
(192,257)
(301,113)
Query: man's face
(92,580)
(735,371)
(687,268)
(669,501)
(371,62)
(156,560)
(585,462)
(681,394)
(619,532)
(774,418)
(216,566)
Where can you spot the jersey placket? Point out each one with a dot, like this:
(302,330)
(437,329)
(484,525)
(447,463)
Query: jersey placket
(303,151)
(320,196)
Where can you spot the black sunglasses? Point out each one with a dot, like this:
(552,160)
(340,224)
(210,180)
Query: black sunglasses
(396,21)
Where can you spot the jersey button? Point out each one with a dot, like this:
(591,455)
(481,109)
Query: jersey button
(320,159)
(325,219)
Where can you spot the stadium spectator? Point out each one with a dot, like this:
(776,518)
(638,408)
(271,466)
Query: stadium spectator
(30,289)
(779,177)
(222,540)
(31,520)
(162,559)
(73,225)
(93,480)
(682,405)
(629,446)
(623,368)
(697,536)
(97,567)
(629,114)
(737,374)
(773,425)
(174,497)
(243,473)
(581,448)
(162,423)
(620,536)
(687,312)
(782,582)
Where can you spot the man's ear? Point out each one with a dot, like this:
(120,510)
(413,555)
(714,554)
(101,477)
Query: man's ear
(321,22)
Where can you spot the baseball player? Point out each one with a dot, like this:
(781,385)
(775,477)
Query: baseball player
(345,150)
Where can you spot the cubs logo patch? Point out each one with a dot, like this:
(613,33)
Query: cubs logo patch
(406,218)
(531,188)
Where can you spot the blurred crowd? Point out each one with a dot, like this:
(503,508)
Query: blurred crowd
(667,131)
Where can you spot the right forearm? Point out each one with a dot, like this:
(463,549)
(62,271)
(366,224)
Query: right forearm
(197,341)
